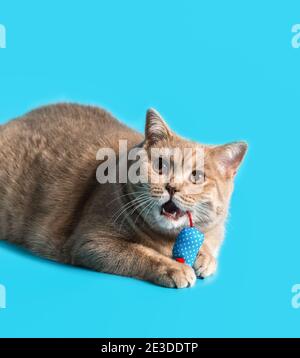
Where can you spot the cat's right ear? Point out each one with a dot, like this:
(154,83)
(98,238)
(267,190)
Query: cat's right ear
(156,129)
(229,157)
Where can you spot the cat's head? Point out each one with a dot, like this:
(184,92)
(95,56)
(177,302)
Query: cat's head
(203,186)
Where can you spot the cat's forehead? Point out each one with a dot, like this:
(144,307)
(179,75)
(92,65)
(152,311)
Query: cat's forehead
(181,143)
(201,153)
(179,147)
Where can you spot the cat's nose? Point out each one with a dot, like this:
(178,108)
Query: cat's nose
(171,189)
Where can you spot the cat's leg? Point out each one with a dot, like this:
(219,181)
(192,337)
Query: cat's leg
(205,264)
(126,258)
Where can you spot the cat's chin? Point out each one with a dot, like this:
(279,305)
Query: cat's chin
(166,223)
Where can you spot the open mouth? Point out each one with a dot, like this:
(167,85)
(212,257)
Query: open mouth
(171,210)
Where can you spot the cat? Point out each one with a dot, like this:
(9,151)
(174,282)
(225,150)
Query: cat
(52,204)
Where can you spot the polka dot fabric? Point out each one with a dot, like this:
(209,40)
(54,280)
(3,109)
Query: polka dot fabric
(187,245)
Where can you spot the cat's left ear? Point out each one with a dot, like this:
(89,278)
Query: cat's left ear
(156,128)
(229,157)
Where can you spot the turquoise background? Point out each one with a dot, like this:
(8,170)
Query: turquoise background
(218,71)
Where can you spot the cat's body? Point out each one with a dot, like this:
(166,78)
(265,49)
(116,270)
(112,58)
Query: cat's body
(52,204)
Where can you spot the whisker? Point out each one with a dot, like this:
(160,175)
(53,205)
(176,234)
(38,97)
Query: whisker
(143,202)
(150,202)
(148,212)
(128,194)
(128,205)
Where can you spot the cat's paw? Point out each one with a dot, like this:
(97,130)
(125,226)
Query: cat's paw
(177,275)
(205,264)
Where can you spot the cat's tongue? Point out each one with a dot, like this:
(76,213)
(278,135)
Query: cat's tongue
(171,210)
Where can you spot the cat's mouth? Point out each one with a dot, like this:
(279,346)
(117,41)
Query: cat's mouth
(171,210)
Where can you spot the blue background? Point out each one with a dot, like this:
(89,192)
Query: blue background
(218,71)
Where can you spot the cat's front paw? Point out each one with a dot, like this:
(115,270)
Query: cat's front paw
(177,275)
(205,264)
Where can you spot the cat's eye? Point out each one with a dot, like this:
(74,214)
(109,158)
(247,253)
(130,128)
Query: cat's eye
(161,166)
(197,177)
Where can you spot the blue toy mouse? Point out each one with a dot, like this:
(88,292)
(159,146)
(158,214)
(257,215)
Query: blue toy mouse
(188,244)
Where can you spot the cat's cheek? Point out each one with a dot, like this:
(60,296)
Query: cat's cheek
(219,210)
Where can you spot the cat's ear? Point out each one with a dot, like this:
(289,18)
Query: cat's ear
(156,128)
(229,157)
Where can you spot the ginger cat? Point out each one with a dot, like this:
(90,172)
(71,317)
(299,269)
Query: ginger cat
(52,204)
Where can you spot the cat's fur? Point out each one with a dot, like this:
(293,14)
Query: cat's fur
(52,204)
